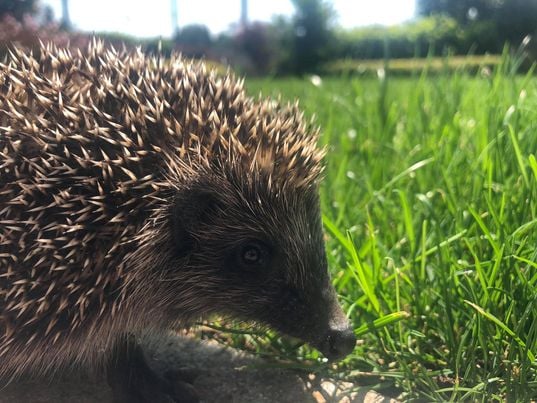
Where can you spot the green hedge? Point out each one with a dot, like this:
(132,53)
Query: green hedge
(435,34)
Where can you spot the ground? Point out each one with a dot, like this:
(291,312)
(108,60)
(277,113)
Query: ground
(224,375)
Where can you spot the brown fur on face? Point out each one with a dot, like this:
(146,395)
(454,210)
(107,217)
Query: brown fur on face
(129,185)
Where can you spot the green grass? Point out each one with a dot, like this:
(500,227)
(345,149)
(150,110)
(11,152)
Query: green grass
(430,205)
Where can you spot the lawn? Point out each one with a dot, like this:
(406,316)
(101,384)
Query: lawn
(430,204)
(406,66)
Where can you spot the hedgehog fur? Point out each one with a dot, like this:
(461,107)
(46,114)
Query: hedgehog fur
(94,149)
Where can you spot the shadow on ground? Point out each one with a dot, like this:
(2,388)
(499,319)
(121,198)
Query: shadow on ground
(223,375)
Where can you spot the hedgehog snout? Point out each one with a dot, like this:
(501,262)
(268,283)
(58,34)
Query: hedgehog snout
(338,340)
(337,343)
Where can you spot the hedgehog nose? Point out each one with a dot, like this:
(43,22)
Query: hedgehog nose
(338,343)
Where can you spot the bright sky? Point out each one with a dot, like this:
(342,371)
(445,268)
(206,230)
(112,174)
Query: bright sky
(152,18)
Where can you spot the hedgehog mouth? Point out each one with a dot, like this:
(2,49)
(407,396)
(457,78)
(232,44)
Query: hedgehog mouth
(335,340)
(335,343)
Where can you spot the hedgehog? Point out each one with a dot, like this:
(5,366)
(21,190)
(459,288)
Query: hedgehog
(140,194)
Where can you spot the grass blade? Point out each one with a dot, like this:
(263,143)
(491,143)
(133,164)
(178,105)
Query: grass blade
(502,326)
(381,322)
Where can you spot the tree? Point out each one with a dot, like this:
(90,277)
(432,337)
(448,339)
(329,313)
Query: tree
(193,40)
(17,8)
(313,34)
(516,19)
(513,19)
(256,42)
(464,11)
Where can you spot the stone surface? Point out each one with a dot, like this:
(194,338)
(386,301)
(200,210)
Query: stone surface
(222,375)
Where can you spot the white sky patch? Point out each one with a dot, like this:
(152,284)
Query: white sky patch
(153,18)
(352,13)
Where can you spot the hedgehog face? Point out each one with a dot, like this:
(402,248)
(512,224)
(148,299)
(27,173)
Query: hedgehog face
(259,255)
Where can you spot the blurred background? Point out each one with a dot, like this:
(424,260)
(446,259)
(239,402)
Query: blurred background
(284,37)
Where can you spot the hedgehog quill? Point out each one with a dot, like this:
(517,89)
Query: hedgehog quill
(138,194)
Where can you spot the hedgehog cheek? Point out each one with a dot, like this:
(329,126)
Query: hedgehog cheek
(188,211)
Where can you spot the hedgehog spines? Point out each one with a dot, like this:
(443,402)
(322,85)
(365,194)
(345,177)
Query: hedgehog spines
(91,144)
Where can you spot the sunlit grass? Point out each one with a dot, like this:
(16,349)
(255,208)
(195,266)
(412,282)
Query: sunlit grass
(434,64)
(430,204)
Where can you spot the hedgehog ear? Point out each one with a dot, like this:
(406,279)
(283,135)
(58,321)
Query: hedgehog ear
(189,210)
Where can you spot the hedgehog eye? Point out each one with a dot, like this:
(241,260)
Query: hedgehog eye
(251,255)
(254,254)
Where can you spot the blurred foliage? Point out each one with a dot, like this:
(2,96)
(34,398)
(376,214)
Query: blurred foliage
(406,40)
(17,8)
(512,19)
(307,42)
(297,45)
(461,10)
(438,34)
(193,40)
(257,42)
(313,35)
(28,33)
